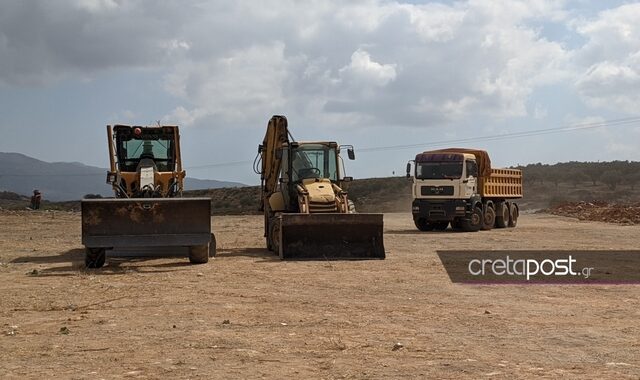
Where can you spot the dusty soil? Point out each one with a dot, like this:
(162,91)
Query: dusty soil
(599,211)
(249,315)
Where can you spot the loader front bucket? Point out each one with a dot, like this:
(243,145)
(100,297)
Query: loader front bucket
(146,222)
(331,236)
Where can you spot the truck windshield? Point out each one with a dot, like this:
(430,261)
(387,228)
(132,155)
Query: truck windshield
(439,170)
(314,161)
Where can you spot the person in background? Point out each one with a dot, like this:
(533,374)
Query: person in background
(35,200)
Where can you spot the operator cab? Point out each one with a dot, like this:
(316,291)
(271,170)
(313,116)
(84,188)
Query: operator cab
(138,147)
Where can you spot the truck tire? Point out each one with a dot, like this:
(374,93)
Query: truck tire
(422,224)
(455,224)
(95,257)
(489,218)
(199,254)
(474,223)
(502,215)
(513,215)
(440,226)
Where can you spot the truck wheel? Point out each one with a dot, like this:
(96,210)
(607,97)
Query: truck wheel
(422,224)
(94,257)
(513,219)
(213,249)
(455,224)
(474,223)
(440,226)
(199,254)
(489,218)
(502,215)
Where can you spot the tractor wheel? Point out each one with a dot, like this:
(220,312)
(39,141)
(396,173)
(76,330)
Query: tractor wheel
(199,254)
(212,246)
(274,235)
(95,257)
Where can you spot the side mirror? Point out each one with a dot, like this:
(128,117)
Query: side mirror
(279,154)
(408,169)
(284,180)
(351,154)
(347,179)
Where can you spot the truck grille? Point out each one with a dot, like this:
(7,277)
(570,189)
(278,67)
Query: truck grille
(436,190)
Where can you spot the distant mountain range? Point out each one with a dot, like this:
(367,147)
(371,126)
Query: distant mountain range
(62,181)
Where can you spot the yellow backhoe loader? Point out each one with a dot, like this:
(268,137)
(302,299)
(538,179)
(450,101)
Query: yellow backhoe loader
(307,214)
(147,177)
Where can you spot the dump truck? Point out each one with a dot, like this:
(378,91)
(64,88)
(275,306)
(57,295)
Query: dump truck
(307,211)
(458,186)
(148,210)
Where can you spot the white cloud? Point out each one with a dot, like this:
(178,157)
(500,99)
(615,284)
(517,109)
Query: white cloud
(237,86)
(610,59)
(361,62)
(363,68)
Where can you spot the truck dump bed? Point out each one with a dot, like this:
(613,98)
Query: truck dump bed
(502,183)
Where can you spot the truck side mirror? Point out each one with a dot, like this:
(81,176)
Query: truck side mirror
(351,154)
(347,179)
(408,169)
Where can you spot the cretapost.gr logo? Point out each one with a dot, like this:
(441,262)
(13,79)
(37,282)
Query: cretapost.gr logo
(527,267)
(542,267)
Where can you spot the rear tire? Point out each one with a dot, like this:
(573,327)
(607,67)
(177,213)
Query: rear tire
(474,223)
(502,215)
(489,218)
(422,224)
(212,246)
(440,226)
(199,254)
(95,257)
(513,215)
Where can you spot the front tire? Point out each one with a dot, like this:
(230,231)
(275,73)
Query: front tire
(422,224)
(474,222)
(95,257)
(199,254)
(440,226)
(274,235)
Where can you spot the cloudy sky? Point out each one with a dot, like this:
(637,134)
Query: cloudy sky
(374,74)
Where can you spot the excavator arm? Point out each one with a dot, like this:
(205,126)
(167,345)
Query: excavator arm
(276,137)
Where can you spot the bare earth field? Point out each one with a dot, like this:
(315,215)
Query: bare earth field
(248,315)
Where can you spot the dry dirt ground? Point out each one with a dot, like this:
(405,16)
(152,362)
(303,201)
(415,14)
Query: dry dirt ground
(248,315)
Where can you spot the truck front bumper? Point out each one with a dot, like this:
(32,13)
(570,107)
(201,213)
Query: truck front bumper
(439,210)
